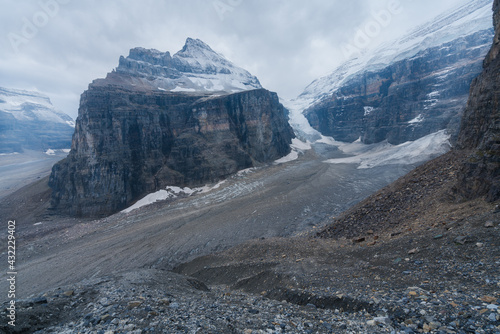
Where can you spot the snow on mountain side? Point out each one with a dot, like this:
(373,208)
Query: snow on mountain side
(405,89)
(28,120)
(467,19)
(381,154)
(196,68)
(31,106)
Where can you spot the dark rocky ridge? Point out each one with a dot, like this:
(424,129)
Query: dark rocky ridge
(480,128)
(430,88)
(128,143)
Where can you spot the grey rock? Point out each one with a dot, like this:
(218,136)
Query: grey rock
(489,224)
(461,240)
(129,143)
(479,130)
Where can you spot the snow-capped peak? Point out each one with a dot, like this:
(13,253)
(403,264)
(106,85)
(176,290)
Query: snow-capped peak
(31,106)
(196,68)
(200,58)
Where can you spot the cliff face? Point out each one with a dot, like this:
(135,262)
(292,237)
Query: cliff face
(131,140)
(406,100)
(480,128)
(128,144)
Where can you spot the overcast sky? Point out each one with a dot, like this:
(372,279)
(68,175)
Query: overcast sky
(59,46)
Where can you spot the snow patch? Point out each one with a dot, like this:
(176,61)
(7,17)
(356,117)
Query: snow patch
(368,110)
(381,154)
(246,171)
(418,119)
(327,140)
(297,146)
(52,152)
(180,89)
(170,192)
(294,155)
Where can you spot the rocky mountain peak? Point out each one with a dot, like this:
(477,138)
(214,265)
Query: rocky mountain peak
(160,120)
(151,56)
(195,68)
(198,57)
(195,44)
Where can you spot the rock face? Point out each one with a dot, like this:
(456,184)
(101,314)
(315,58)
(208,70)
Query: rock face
(196,68)
(414,87)
(132,140)
(480,128)
(28,120)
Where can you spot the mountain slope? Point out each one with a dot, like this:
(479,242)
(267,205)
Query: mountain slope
(406,89)
(424,261)
(28,120)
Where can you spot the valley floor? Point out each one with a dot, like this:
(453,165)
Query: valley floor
(20,169)
(114,275)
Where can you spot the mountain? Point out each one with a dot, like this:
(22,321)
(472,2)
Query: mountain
(406,89)
(411,245)
(196,68)
(136,133)
(28,120)
(480,128)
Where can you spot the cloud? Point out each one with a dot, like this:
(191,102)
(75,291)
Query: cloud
(286,44)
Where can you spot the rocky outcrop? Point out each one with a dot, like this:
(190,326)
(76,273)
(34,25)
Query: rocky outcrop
(406,100)
(28,120)
(132,140)
(480,128)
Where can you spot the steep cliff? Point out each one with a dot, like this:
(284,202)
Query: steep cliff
(407,89)
(132,139)
(480,128)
